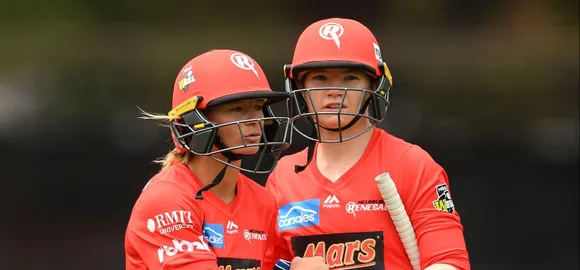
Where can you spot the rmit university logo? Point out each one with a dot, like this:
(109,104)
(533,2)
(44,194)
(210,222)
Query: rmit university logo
(331,31)
(244,62)
(170,222)
(299,214)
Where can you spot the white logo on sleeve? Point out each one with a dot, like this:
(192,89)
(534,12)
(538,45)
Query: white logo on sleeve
(150,225)
(443,202)
(331,31)
(181,246)
(170,221)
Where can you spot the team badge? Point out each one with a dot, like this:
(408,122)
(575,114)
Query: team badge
(444,202)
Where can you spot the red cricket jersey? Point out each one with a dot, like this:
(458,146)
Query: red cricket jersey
(170,229)
(347,221)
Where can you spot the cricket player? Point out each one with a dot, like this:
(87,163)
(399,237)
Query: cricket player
(199,211)
(330,204)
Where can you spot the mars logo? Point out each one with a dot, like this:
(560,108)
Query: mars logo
(170,222)
(244,62)
(331,31)
(344,251)
(237,264)
(444,202)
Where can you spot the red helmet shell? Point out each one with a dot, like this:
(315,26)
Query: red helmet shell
(337,40)
(216,74)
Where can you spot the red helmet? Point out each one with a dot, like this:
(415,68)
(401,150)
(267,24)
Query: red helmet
(338,43)
(217,77)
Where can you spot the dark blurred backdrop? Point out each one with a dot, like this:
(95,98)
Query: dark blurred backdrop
(489,88)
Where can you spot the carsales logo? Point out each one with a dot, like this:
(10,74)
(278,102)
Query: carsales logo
(214,234)
(299,214)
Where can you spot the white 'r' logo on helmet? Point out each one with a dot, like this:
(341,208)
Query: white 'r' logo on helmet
(331,31)
(244,62)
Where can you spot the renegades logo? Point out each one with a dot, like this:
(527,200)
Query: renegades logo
(344,250)
(238,264)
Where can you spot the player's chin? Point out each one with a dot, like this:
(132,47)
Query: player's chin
(332,122)
(247,151)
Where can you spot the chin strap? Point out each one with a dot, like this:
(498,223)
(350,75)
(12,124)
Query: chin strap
(228,154)
(311,147)
(218,178)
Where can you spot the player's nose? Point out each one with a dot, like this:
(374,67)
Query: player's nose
(336,92)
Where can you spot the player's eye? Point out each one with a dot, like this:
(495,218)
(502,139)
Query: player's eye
(236,109)
(259,107)
(351,78)
(319,77)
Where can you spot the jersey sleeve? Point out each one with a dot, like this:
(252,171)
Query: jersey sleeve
(276,248)
(165,231)
(432,212)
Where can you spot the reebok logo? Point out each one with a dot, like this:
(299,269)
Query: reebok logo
(177,246)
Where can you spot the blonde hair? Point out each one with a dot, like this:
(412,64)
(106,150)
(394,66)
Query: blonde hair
(174,154)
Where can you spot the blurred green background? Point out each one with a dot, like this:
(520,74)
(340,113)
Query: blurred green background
(489,88)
